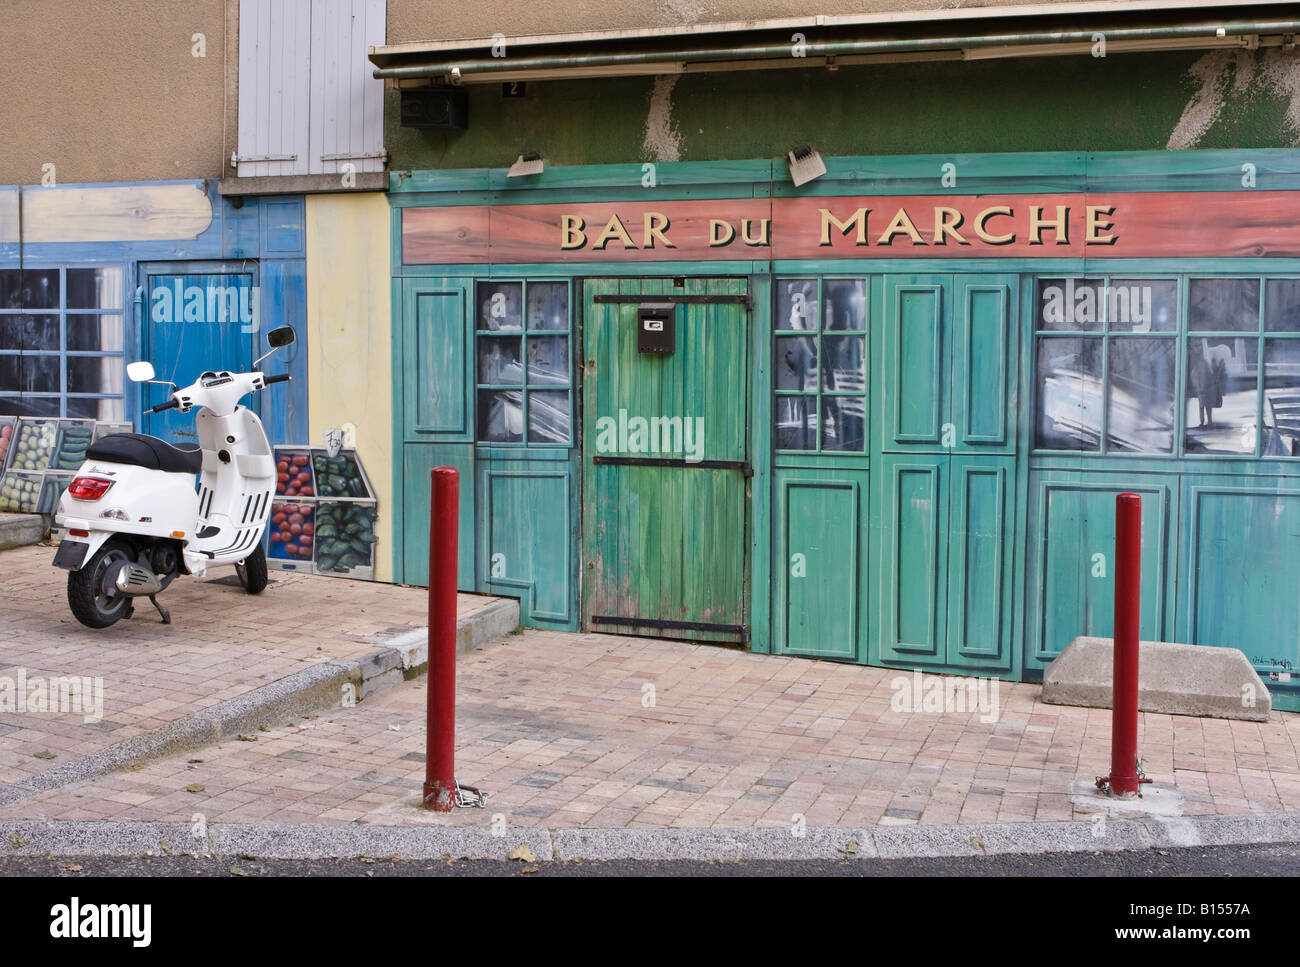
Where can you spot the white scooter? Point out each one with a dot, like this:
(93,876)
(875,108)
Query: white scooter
(131,519)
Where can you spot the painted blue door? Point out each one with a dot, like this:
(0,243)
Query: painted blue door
(195,317)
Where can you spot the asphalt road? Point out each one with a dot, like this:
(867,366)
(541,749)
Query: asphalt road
(1213,861)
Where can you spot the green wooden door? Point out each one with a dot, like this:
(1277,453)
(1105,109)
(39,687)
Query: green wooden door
(665,503)
(946,452)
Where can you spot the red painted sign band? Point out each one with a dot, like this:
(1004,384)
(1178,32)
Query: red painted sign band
(1233,224)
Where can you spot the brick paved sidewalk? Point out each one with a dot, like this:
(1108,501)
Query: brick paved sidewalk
(222,642)
(555,727)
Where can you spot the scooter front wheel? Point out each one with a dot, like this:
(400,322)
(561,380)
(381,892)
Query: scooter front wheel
(252,572)
(92,598)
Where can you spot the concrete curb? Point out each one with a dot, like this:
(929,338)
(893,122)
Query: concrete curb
(316,688)
(312,841)
(19,530)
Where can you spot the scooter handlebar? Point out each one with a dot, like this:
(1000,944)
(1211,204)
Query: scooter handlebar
(278,378)
(171,404)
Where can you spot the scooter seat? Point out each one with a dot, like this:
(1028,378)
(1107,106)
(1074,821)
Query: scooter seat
(140,450)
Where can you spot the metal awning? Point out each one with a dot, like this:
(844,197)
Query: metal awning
(834,41)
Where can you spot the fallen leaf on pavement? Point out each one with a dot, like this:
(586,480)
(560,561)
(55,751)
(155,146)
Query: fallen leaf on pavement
(851,848)
(522,852)
(194,787)
(45,754)
(73,867)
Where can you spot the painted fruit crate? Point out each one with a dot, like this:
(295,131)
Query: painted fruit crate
(290,535)
(293,473)
(341,477)
(51,490)
(105,429)
(7,428)
(20,492)
(73,439)
(33,444)
(344,538)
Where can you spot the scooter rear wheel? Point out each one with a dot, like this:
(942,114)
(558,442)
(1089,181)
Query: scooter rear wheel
(93,602)
(252,573)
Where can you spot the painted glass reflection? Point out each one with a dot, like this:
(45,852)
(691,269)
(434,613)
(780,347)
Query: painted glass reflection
(548,417)
(1069,393)
(1223,305)
(1281,398)
(548,305)
(1141,388)
(500,306)
(844,363)
(500,416)
(846,304)
(1142,305)
(796,422)
(1221,395)
(498,360)
(843,424)
(1282,305)
(548,360)
(796,304)
(796,363)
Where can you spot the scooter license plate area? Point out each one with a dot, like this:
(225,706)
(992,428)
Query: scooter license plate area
(71,555)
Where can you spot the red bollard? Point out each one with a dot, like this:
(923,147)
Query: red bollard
(1124,776)
(440,737)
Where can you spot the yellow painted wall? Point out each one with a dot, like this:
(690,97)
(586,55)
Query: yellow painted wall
(349,325)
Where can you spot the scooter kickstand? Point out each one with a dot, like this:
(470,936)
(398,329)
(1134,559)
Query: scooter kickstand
(166,618)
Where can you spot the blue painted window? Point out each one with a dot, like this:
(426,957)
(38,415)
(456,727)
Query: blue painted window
(62,334)
(523,362)
(820,365)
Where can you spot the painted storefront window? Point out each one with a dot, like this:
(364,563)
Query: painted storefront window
(1110,353)
(819,365)
(61,343)
(523,363)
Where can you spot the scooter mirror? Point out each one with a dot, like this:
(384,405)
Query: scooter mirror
(279,338)
(140,372)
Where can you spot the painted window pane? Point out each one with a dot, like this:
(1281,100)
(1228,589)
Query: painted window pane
(29,405)
(846,304)
(499,360)
(1070,305)
(95,374)
(1142,305)
(844,363)
(500,305)
(30,289)
(500,416)
(1141,388)
(1281,398)
(1282,305)
(842,423)
(796,304)
(1221,395)
(95,288)
(548,305)
(108,408)
(796,362)
(1223,305)
(548,417)
(548,360)
(29,333)
(796,422)
(95,333)
(1069,393)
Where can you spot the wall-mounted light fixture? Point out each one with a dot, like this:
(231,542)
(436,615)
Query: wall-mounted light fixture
(527,164)
(805,165)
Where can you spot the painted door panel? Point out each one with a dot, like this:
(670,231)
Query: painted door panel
(946,452)
(915,568)
(195,318)
(666,543)
(821,547)
(1241,537)
(1072,560)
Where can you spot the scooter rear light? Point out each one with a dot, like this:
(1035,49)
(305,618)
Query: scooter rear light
(88,488)
(78,533)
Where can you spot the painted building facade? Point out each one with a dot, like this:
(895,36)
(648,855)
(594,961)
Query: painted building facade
(880,417)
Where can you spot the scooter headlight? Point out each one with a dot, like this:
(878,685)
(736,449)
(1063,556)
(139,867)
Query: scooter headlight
(115,513)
